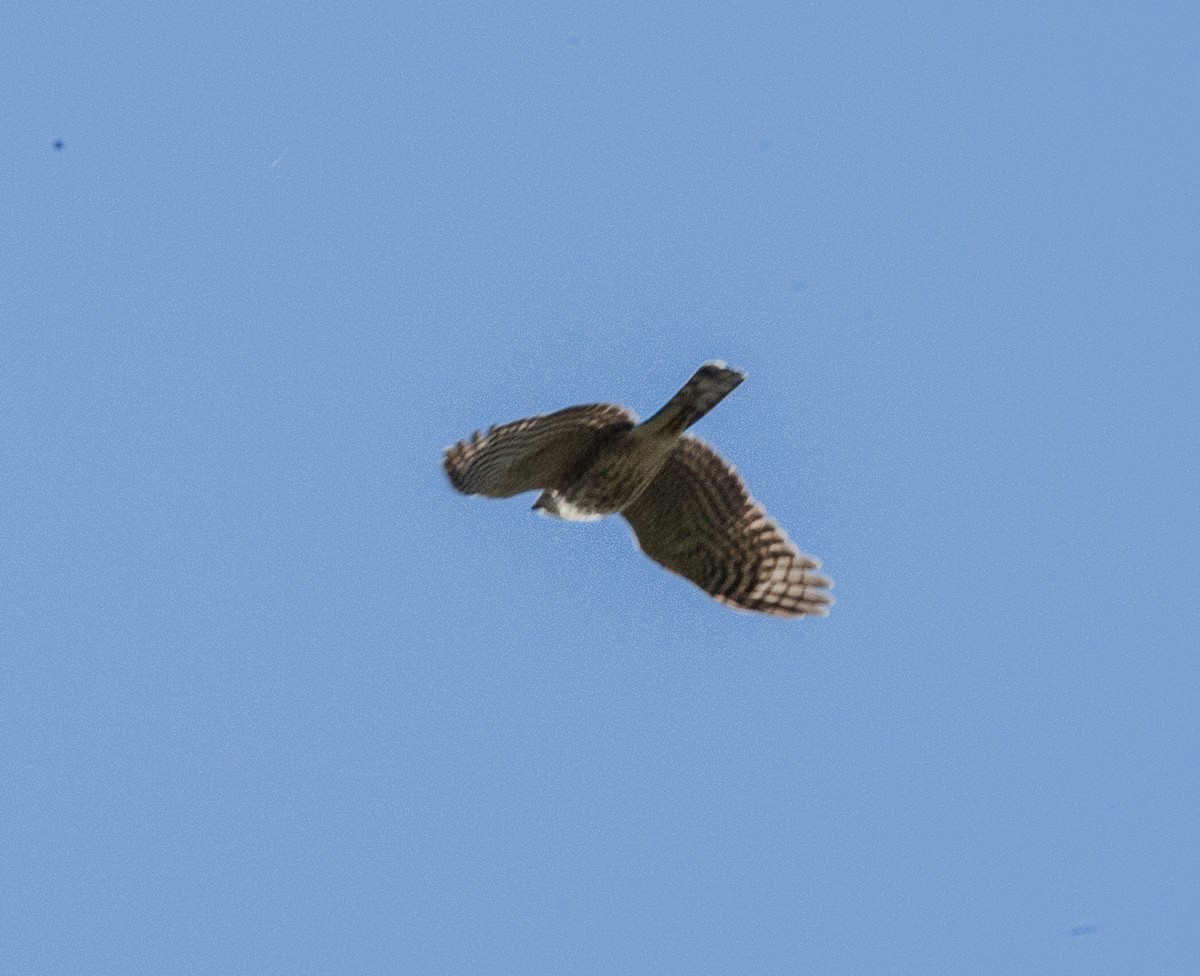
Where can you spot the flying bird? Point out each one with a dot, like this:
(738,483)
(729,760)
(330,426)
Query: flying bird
(688,509)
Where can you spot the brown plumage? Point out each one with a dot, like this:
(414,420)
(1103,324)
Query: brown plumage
(688,508)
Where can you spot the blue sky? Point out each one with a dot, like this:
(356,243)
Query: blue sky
(274,699)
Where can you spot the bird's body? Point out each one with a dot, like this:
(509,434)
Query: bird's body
(615,474)
(622,466)
(688,509)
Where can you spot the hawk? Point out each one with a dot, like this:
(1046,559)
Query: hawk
(688,508)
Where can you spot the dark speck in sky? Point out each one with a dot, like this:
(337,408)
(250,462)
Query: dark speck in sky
(58,144)
(1084,929)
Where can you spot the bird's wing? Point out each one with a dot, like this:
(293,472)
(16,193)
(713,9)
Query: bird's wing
(538,452)
(697,519)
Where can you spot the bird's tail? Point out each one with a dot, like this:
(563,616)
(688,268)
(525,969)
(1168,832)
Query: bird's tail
(709,385)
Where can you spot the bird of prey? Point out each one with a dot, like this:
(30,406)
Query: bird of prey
(688,508)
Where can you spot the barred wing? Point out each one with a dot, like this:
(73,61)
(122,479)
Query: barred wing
(538,452)
(697,519)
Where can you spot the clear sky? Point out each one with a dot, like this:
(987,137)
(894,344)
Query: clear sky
(275,699)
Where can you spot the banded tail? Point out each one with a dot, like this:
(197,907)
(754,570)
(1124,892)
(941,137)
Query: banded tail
(709,385)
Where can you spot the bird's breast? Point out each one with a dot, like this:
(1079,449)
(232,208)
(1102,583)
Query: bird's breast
(617,475)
